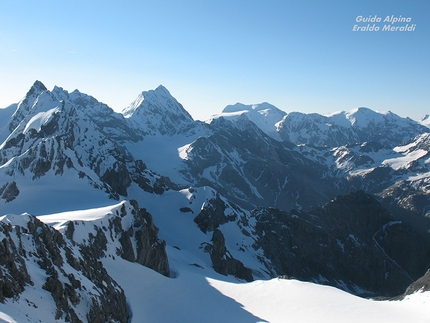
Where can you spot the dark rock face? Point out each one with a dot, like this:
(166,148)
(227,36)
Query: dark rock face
(72,276)
(150,251)
(222,260)
(9,191)
(351,243)
(213,215)
(407,198)
(407,248)
(118,178)
(13,272)
(63,276)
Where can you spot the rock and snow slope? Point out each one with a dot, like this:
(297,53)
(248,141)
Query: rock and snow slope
(216,199)
(193,293)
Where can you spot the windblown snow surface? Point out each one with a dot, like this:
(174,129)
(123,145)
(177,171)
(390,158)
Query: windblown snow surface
(195,293)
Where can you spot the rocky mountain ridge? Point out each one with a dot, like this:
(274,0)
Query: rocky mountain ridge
(65,263)
(253,193)
(356,126)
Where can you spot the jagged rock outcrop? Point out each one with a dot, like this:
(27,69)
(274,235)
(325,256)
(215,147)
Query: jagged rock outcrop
(213,214)
(64,272)
(150,251)
(9,191)
(13,272)
(68,263)
(131,233)
(223,262)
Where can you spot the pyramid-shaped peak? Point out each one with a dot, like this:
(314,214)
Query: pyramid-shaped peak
(162,88)
(160,94)
(25,105)
(157,101)
(158,111)
(37,88)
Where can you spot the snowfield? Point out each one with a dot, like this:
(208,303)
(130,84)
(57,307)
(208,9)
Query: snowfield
(195,293)
(193,297)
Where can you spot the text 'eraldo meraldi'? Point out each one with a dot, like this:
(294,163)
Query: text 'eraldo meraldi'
(388,24)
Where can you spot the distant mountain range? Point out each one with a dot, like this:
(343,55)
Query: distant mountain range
(251,193)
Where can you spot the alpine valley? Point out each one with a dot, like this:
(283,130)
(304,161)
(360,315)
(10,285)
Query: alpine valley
(255,215)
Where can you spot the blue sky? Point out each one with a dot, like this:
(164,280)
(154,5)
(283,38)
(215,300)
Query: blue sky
(298,55)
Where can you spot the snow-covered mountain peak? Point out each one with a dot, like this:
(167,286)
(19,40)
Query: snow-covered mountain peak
(157,111)
(362,117)
(162,89)
(26,104)
(15,219)
(37,87)
(158,99)
(264,115)
(355,126)
(33,93)
(425,121)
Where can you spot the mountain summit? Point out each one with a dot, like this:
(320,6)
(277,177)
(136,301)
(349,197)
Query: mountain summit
(26,104)
(157,111)
(265,115)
